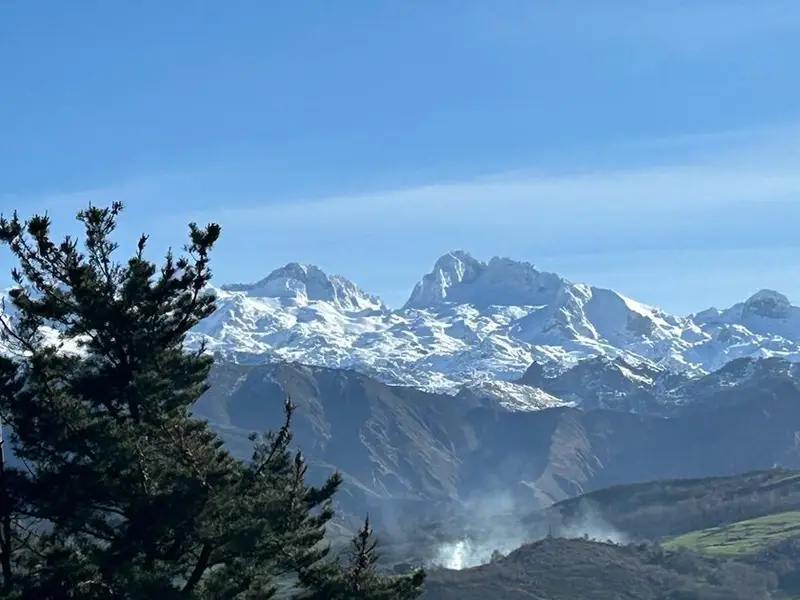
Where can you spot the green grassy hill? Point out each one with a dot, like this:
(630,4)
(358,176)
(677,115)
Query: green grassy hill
(697,539)
(771,543)
(743,537)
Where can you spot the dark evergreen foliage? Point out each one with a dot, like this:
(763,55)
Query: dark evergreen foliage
(358,579)
(122,493)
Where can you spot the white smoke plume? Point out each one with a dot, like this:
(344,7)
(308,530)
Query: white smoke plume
(492,525)
(589,524)
(495,526)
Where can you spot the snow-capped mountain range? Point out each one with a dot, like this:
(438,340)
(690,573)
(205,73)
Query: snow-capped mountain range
(475,324)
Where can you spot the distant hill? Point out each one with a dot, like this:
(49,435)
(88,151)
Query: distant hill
(561,569)
(658,510)
(748,536)
(713,538)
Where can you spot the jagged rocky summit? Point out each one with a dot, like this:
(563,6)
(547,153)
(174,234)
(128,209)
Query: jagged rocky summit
(480,325)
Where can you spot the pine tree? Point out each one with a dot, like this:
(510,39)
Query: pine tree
(123,493)
(359,578)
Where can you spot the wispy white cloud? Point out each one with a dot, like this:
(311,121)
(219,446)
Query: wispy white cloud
(719,212)
(552,206)
(712,224)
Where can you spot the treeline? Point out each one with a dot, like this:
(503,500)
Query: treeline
(561,569)
(121,492)
(661,509)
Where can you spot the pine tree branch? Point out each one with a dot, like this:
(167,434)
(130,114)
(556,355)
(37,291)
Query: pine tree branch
(29,259)
(5,519)
(199,569)
(282,438)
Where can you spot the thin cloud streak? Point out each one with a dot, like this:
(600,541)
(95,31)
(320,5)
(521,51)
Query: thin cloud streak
(651,193)
(640,229)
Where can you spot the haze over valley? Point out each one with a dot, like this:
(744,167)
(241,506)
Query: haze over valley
(394,300)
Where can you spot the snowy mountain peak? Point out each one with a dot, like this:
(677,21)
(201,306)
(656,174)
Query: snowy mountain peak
(768,304)
(470,321)
(459,278)
(767,314)
(309,283)
(450,270)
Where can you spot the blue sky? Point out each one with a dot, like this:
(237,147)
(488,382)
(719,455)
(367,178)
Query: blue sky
(648,146)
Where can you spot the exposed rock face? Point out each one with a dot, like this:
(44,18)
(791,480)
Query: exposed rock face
(405,451)
(471,322)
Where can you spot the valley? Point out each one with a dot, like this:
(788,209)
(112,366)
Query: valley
(530,445)
(399,445)
(514,431)
(400,301)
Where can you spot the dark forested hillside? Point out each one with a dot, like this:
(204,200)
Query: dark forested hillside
(401,449)
(712,538)
(659,509)
(561,569)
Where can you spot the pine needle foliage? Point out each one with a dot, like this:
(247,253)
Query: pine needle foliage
(122,493)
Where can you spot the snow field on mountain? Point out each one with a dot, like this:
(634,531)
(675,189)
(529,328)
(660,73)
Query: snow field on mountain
(470,322)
